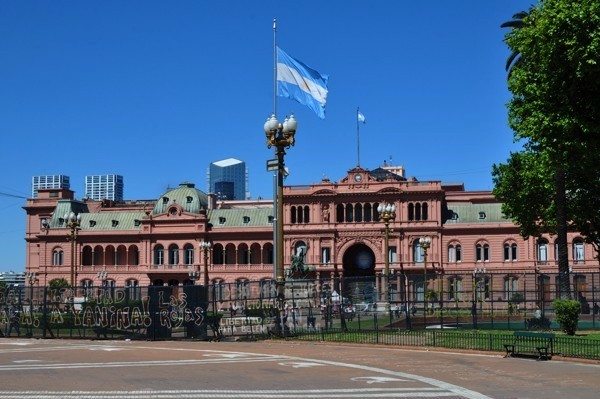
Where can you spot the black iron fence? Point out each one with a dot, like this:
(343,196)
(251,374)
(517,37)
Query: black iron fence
(311,307)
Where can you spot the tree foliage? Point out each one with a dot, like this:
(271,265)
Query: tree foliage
(567,314)
(59,283)
(553,183)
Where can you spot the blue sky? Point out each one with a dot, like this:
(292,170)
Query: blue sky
(156,90)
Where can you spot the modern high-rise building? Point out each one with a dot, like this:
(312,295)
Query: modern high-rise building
(99,187)
(48,181)
(228,179)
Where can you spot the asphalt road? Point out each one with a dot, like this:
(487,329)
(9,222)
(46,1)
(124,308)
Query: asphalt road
(139,369)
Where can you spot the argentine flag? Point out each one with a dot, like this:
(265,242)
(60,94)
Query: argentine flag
(361,117)
(297,81)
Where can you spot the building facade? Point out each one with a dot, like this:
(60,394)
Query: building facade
(228,179)
(49,181)
(336,225)
(100,187)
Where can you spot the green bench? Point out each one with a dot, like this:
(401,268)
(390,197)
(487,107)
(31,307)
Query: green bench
(531,343)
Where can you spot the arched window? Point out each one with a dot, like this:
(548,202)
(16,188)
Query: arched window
(159,255)
(349,213)
(339,213)
(418,211)
(358,213)
(134,255)
(455,289)
(510,252)
(188,251)
(306,214)
(57,257)
(218,251)
(511,287)
(132,291)
(418,252)
(300,214)
(451,254)
(411,211)
(268,289)
(242,289)
(542,250)
(424,211)
(458,253)
(368,212)
(482,253)
(293,215)
(375,212)
(173,254)
(578,250)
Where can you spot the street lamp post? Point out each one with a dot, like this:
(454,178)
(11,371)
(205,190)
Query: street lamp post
(478,273)
(73,221)
(425,243)
(194,275)
(205,248)
(387,214)
(31,279)
(280,136)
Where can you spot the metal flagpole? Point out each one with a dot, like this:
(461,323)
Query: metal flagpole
(274,66)
(358,136)
(276,220)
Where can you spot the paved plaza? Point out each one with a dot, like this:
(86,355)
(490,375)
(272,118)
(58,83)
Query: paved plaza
(271,369)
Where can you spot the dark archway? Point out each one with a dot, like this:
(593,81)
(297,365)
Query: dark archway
(358,261)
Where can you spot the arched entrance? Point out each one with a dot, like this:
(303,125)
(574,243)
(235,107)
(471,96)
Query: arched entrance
(359,261)
(359,274)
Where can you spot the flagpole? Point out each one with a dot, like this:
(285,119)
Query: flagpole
(358,136)
(274,66)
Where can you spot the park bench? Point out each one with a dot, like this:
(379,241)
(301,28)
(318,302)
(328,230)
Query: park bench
(531,343)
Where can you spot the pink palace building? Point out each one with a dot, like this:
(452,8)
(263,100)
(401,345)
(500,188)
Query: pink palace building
(336,225)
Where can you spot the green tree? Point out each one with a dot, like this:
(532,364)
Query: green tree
(59,283)
(567,314)
(553,184)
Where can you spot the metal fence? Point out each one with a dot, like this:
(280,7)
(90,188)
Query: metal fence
(400,302)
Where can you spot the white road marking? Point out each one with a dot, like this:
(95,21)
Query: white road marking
(436,388)
(377,380)
(238,394)
(299,365)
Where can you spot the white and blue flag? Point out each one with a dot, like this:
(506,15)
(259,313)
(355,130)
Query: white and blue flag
(361,117)
(299,82)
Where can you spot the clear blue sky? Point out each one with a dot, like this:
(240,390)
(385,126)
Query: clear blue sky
(156,90)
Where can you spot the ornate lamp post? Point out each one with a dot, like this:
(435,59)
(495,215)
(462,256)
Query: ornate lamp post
(280,136)
(72,222)
(425,243)
(31,279)
(387,214)
(205,248)
(194,275)
(478,273)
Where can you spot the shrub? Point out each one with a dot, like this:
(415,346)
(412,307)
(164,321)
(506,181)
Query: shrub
(567,314)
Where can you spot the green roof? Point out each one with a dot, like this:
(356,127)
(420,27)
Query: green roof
(252,217)
(111,221)
(186,195)
(475,213)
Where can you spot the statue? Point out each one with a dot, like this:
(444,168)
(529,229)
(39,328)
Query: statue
(297,267)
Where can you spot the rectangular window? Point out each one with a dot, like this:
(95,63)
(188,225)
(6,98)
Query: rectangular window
(325,255)
(543,252)
(458,253)
(392,255)
(506,253)
(451,254)
(486,253)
